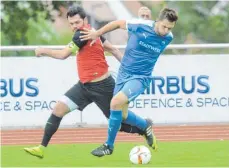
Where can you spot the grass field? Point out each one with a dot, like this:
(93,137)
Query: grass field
(176,154)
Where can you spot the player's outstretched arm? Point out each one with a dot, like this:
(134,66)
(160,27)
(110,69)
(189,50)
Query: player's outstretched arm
(57,54)
(93,34)
(113,50)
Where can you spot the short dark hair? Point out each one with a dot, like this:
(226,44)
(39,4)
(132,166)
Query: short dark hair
(74,10)
(169,14)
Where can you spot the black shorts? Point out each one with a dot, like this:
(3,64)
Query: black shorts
(100,93)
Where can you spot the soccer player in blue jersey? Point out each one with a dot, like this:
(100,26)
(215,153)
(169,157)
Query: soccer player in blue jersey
(147,40)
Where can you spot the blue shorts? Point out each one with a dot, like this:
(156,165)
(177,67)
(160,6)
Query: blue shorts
(132,88)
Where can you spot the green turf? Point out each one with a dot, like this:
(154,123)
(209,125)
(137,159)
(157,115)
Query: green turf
(176,154)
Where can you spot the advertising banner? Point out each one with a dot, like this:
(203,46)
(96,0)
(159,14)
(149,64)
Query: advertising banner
(184,89)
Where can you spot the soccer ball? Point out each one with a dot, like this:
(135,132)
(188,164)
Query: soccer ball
(140,155)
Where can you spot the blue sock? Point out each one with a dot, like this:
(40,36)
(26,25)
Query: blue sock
(135,120)
(113,126)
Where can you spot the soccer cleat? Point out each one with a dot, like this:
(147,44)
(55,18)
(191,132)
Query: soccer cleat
(149,136)
(102,151)
(35,151)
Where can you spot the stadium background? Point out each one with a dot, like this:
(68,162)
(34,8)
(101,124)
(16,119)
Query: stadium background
(199,52)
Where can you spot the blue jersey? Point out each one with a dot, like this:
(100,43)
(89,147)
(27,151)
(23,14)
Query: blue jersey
(142,51)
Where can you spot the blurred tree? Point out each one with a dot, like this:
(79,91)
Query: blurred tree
(29,22)
(16,16)
(195,17)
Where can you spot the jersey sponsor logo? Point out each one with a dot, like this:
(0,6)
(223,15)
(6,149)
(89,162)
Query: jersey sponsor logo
(149,46)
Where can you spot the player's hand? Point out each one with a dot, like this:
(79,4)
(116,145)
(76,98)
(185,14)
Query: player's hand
(89,35)
(93,41)
(38,52)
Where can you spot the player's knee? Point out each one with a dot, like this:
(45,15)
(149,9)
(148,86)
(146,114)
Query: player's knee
(118,101)
(116,104)
(60,109)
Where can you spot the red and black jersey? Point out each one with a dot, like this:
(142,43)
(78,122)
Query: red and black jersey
(91,62)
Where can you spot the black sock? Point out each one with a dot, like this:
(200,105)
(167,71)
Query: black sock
(131,129)
(50,128)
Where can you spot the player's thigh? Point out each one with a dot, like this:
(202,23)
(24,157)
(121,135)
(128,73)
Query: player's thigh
(103,102)
(119,101)
(104,105)
(133,89)
(76,98)
(126,92)
(101,93)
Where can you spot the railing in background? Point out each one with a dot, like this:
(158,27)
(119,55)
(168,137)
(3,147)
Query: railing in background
(172,46)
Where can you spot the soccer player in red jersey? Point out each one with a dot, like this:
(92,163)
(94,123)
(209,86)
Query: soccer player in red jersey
(95,84)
